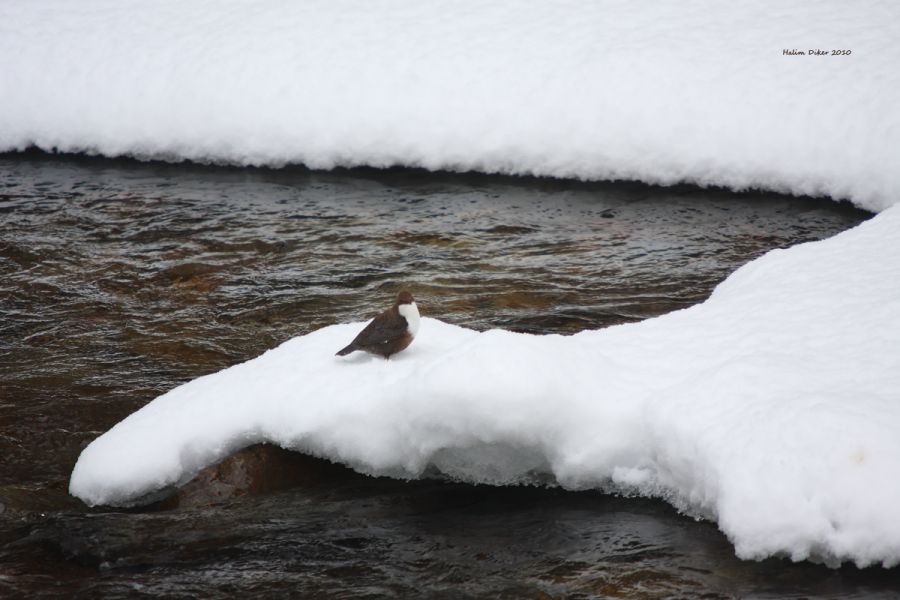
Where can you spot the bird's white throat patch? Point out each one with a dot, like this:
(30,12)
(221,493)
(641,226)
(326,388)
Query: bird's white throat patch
(410,312)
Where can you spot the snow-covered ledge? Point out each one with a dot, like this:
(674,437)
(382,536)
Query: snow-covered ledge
(700,91)
(772,408)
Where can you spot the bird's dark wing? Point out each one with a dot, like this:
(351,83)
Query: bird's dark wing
(383,329)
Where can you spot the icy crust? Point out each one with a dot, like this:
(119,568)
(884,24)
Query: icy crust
(664,92)
(772,408)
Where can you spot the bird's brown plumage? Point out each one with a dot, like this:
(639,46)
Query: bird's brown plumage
(387,334)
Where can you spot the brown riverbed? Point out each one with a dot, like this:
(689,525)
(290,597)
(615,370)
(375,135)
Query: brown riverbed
(120,280)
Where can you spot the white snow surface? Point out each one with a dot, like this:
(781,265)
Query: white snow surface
(772,408)
(663,92)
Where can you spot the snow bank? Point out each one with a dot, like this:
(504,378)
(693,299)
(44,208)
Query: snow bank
(662,92)
(773,408)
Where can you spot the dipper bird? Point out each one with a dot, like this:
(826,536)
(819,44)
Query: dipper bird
(390,332)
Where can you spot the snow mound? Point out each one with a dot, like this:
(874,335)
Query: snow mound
(696,91)
(772,408)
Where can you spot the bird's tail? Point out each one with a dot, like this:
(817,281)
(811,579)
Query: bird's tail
(346,350)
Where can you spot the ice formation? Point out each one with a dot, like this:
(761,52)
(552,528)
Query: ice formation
(772,408)
(699,91)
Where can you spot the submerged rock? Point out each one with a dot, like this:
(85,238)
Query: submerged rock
(257,469)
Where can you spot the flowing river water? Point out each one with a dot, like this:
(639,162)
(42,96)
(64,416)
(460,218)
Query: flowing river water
(120,280)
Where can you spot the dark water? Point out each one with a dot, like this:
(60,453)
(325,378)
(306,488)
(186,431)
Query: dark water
(120,280)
